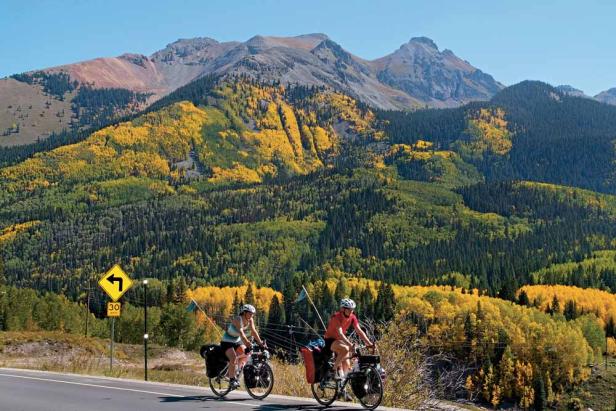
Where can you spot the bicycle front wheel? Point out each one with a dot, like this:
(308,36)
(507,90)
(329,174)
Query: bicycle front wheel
(372,388)
(325,391)
(263,382)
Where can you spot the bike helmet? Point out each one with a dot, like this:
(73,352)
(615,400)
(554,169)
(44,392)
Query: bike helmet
(347,303)
(249,308)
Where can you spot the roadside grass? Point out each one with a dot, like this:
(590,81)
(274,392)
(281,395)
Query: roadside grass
(59,352)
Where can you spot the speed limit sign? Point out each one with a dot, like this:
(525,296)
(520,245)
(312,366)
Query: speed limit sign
(113,309)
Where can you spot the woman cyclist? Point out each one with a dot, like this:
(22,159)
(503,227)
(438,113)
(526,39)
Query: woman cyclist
(336,339)
(235,341)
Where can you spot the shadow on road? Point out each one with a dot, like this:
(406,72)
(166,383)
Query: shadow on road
(311,407)
(198,398)
(259,407)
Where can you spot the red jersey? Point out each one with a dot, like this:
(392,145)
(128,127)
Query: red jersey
(339,320)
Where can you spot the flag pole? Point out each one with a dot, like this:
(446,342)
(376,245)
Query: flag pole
(308,325)
(207,316)
(315,308)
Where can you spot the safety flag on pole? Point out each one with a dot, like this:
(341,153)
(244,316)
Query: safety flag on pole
(192,307)
(302,296)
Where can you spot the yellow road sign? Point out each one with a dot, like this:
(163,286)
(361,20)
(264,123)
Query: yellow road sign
(115,282)
(113,309)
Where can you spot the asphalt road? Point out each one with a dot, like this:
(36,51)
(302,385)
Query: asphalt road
(24,390)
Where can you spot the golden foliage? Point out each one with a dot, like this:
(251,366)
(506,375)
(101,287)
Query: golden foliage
(217,302)
(489,129)
(11,231)
(589,300)
(144,147)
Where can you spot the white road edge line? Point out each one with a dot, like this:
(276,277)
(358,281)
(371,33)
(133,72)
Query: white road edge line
(112,388)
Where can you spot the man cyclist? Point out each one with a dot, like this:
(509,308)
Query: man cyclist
(335,335)
(239,330)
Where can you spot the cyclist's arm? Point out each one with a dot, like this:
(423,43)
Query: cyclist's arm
(363,336)
(255,333)
(361,333)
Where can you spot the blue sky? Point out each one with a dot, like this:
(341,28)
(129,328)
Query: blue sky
(561,42)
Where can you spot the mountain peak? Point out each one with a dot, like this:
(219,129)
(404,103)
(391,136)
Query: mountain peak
(428,42)
(607,96)
(571,91)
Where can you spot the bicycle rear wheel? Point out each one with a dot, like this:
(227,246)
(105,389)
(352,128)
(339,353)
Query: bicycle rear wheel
(372,389)
(264,382)
(325,391)
(221,385)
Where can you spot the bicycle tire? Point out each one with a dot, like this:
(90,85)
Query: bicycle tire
(374,387)
(220,385)
(318,389)
(261,370)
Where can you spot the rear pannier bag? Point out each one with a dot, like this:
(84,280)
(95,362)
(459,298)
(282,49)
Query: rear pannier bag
(215,359)
(308,356)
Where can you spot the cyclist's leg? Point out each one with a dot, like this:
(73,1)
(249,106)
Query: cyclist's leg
(342,352)
(346,362)
(240,355)
(232,357)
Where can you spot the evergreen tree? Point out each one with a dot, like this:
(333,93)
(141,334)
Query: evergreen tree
(555,307)
(237,303)
(249,297)
(328,302)
(540,402)
(385,305)
(366,303)
(276,312)
(571,312)
(610,328)
(523,298)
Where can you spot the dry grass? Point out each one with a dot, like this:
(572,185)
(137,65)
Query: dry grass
(76,354)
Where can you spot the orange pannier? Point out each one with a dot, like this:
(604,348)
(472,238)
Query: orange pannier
(308,356)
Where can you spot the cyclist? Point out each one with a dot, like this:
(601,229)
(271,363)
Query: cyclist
(335,336)
(235,340)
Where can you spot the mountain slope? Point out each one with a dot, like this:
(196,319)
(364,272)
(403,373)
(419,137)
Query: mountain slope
(414,76)
(544,135)
(608,96)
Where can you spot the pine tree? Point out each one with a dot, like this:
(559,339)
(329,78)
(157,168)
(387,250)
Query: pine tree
(610,328)
(570,310)
(366,303)
(555,307)
(523,298)
(276,313)
(385,304)
(540,396)
(249,297)
(237,303)
(328,303)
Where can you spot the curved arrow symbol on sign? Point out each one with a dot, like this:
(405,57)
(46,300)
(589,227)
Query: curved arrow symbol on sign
(112,279)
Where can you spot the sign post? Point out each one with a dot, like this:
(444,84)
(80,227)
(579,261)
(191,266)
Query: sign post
(111,345)
(115,283)
(145,329)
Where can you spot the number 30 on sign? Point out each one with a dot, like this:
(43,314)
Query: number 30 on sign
(113,309)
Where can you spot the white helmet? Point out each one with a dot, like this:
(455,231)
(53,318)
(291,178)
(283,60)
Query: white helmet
(347,303)
(249,308)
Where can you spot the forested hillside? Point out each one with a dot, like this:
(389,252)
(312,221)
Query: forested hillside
(228,191)
(551,137)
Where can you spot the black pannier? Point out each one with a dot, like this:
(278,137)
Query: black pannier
(358,385)
(321,362)
(250,376)
(215,359)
